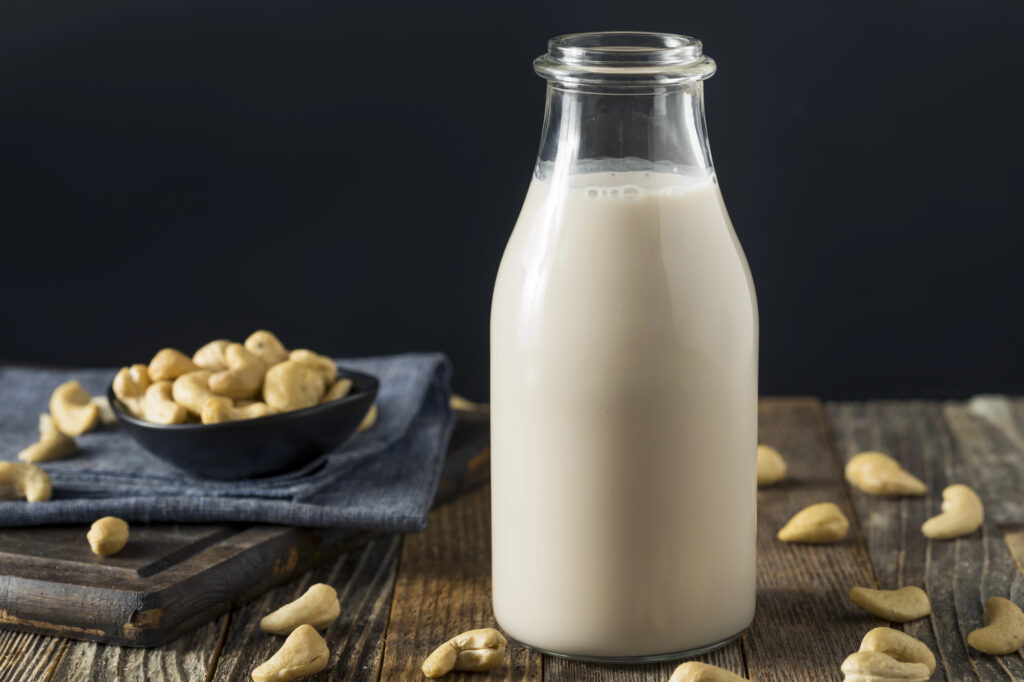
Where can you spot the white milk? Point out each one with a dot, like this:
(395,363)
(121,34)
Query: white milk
(624,418)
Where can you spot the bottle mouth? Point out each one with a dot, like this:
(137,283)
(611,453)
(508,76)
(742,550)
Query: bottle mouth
(624,59)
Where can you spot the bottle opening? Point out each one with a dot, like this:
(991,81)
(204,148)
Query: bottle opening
(624,59)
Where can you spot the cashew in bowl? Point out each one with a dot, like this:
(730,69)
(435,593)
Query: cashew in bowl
(879,474)
(211,356)
(771,468)
(243,377)
(899,606)
(130,385)
(22,479)
(318,606)
(159,407)
(72,409)
(191,390)
(321,363)
(819,523)
(52,444)
(474,651)
(169,364)
(338,390)
(291,385)
(1004,628)
(218,409)
(962,514)
(267,347)
(694,671)
(369,419)
(108,536)
(874,666)
(900,646)
(304,652)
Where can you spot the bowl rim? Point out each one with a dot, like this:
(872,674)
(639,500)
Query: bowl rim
(364,383)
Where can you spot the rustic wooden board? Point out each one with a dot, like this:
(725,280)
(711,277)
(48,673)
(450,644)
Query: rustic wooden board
(958,574)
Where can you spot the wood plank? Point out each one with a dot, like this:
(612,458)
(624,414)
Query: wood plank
(557,669)
(959,574)
(28,657)
(444,588)
(364,579)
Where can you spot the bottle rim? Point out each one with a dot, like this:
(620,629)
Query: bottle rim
(624,58)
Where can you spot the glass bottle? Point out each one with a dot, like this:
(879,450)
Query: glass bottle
(624,338)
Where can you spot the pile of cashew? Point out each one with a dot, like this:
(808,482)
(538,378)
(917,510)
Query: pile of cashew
(474,651)
(225,381)
(887,654)
(72,412)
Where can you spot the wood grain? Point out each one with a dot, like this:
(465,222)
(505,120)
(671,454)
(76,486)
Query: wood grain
(26,656)
(364,579)
(957,574)
(444,588)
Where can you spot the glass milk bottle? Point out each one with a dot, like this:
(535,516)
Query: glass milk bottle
(624,339)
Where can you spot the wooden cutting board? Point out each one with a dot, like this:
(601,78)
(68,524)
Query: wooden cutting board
(174,577)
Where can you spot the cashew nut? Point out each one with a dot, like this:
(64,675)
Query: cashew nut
(874,666)
(211,356)
(900,646)
(475,651)
(822,522)
(1004,628)
(322,363)
(898,606)
(369,419)
(108,536)
(23,479)
(219,409)
(170,363)
(771,468)
(72,409)
(291,385)
(107,416)
(318,606)
(159,407)
(962,514)
(338,390)
(244,375)
(694,671)
(304,652)
(461,404)
(130,385)
(267,347)
(879,474)
(52,444)
(192,390)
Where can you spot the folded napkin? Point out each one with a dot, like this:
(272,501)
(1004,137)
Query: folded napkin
(383,479)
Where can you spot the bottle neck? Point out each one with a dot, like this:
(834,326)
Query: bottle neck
(592,131)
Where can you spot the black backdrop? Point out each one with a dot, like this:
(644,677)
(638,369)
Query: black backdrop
(347,174)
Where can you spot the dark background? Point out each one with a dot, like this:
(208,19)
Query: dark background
(347,174)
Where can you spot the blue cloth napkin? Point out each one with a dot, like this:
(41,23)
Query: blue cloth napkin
(383,479)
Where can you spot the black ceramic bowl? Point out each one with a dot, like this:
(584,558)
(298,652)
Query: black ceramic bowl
(254,447)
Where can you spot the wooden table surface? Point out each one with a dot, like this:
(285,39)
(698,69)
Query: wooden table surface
(401,597)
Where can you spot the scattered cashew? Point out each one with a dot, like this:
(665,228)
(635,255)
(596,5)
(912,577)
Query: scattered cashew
(130,385)
(338,390)
(694,671)
(1004,628)
(211,356)
(318,606)
(244,375)
(191,390)
(72,409)
(267,347)
(771,468)
(899,645)
(304,652)
(823,522)
(879,474)
(461,404)
(369,419)
(169,364)
(22,479)
(291,385)
(962,514)
(159,407)
(475,651)
(108,536)
(107,416)
(899,606)
(219,409)
(874,666)
(321,363)
(52,444)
